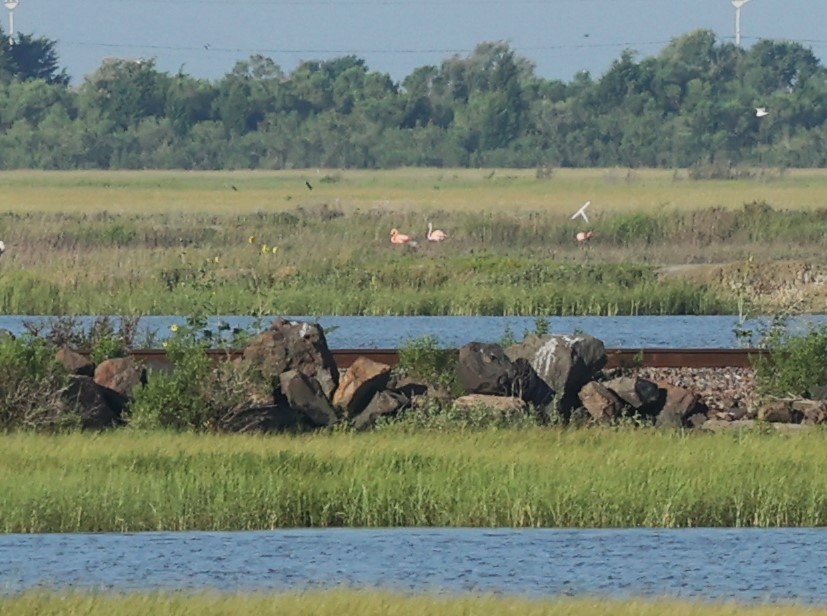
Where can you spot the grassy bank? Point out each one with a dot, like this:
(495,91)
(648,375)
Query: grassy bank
(172,242)
(337,603)
(516,478)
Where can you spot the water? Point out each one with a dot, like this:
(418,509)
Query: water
(394,332)
(744,565)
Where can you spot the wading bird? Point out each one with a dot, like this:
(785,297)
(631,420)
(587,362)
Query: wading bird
(436,235)
(582,212)
(401,238)
(2,248)
(584,236)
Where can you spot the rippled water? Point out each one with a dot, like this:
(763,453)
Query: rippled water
(394,332)
(747,565)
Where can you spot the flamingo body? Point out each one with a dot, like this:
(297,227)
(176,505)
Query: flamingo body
(399,238)
(436,235)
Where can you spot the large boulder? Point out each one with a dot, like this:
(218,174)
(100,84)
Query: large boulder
(293,345)
(362,381)
(82,402)
(74,362)
(483,368)
(118,377)
(566,363)
(602,403)
(383,404)
(305,395)
(642,395)
(679,408)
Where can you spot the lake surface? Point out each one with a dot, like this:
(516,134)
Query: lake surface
(745,565)
(394,332)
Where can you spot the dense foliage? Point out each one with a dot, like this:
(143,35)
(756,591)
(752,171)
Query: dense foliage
(692,105)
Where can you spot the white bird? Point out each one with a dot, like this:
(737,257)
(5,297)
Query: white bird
(761,112)
(582,212)
(436,235)
(2,248)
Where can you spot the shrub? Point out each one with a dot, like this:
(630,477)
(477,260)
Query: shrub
(797,363)
(422,359)
(30,377)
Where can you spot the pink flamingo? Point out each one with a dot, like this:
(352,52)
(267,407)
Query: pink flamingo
(436,235)
(584,236)
(399,238)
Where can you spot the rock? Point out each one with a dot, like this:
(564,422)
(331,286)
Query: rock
(679,405)
(642,395)
(83,399)
(384,403)
(269,418)
(293,345)
(305,395)
(565,363)
(601,402)
(502,404)
(813,412)
(117,378)
(529,386)
(483,368)
(74,362)
(362,381)
(776,411)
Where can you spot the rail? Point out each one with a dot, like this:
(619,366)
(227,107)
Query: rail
(649,358)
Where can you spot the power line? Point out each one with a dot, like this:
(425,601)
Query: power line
(213,49)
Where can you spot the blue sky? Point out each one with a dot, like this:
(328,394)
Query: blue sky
(207,37)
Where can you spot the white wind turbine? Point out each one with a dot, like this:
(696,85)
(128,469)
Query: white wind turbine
(738,4)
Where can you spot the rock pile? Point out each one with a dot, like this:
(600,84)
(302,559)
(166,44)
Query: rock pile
(300,387)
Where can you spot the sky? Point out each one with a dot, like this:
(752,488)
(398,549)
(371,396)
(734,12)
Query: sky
(205,38)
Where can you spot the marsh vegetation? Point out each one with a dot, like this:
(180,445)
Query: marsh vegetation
(134,481)
(184,243)
(334,603)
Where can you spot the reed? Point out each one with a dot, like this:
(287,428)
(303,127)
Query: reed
(133,481)
(165,242)
(367,603)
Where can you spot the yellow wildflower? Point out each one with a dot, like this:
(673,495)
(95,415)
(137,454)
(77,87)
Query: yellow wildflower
(252,239)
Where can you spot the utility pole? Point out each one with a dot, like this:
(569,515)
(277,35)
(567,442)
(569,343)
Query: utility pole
(11,5)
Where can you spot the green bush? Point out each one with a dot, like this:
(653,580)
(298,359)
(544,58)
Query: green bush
(196,394)
(422,359)
(30,377)
(796,365)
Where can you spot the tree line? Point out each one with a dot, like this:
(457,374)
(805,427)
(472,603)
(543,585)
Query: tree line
(692,105)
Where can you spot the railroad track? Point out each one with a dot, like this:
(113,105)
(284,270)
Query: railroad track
(650,358)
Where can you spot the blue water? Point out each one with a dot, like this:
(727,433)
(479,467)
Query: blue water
(394,332)
(745,565)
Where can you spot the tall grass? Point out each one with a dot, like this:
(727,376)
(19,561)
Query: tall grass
(346,602)
(167,242)
(516,478)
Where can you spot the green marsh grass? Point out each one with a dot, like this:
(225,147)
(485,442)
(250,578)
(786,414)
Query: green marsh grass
(174,242)
(132,481)
(363,603)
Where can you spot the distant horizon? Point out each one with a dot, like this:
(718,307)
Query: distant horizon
(560,37)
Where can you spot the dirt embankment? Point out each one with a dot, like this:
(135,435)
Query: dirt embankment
(775,286)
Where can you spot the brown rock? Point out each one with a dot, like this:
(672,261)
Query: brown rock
(502,404)
(776,411)
(362,381)
(75,362)
(601,402)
